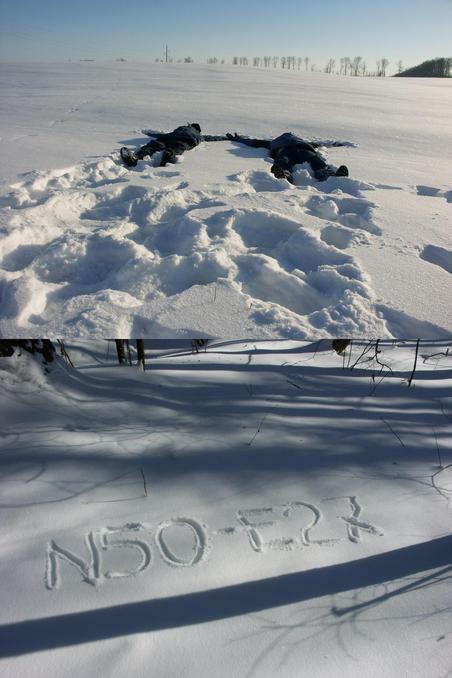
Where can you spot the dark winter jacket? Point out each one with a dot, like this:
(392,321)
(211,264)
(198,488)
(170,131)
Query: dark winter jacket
(284,142)
(185,134)
(288,140)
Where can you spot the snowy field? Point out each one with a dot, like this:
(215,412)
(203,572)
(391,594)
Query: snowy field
(216,246)
(260,509)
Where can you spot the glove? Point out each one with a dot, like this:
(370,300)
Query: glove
(232,137)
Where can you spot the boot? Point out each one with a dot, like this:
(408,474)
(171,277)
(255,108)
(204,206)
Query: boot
(342,171)
(281,173)
(128,157)
(168,156)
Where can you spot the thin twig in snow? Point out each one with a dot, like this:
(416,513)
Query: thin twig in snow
(258,431)
(392,431)
(383,365)
(415,363)
(437,449)
(64,353)
(366,350)
(441,490)
(144,482)
(427,357)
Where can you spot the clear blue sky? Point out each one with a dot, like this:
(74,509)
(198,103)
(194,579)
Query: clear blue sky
(58,30)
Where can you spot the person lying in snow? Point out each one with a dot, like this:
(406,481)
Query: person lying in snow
(288,150)
(174,143)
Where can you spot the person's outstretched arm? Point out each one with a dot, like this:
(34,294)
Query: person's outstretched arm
(214,137)
(329,143)
(254,143)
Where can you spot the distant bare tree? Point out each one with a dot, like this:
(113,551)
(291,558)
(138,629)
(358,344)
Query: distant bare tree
(299,62)
(283,62)
(329,68)
(345,61)
(356,65)
(306,62)
(382,65)
(257,62)
(235,61)
(275,61)
(399,66)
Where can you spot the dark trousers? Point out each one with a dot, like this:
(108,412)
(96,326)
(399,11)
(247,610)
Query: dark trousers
(296,155)
(173,147)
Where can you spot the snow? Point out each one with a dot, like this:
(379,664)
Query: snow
(215,245)
(254,509)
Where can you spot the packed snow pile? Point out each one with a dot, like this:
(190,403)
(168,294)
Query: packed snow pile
(215,245)
(246,510)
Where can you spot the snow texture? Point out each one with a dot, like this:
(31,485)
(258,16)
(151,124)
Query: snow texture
(246,510)
(215,245)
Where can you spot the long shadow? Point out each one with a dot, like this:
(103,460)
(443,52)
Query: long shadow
(222,603)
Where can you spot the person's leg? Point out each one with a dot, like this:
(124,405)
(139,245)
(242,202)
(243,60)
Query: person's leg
(285,160)
(282,168)
(131,159)
(149,149)
(321,169)
(172,150)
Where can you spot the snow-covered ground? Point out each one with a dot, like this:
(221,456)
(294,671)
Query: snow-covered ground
(259,509)
(215,245)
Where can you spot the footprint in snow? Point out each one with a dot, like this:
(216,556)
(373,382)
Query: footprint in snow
(439,256)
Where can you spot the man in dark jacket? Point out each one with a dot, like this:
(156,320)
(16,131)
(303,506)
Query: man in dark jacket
(172,144)
(288,150)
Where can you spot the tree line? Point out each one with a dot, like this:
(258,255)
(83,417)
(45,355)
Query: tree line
(356,66)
